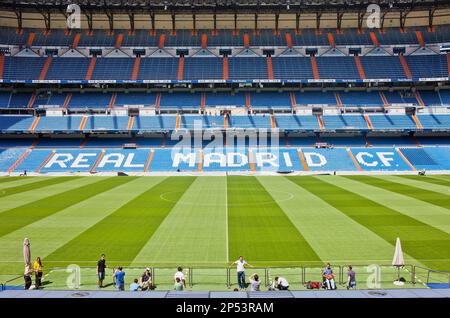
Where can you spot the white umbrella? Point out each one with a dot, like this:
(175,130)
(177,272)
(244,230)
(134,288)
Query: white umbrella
(398,260)
(26,252)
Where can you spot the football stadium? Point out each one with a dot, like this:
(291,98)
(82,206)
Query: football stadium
(224,148)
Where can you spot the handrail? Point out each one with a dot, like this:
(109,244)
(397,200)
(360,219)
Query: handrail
(298,273)
(5,283)
(429,271)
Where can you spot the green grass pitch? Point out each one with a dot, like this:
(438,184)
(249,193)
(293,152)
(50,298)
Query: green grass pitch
(206,222)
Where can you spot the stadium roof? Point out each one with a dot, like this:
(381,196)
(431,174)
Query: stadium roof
(223,6)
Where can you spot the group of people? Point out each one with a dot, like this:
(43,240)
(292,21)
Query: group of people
(145,281)
(281,283)
(37,269)
(328,277)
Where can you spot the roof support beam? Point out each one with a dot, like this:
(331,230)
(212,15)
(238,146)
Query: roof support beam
(174,25)
(277,19)
(47,19)
(66,16)
(90,20)
(339,17)
(19,19)
(110,16)
(318,17)
(152,21)
(431,18)
(297,23)
(383,15)
(361,15)
(131,18)
(403,15)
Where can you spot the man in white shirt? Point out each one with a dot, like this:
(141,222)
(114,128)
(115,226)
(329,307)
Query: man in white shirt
(280,283)
(240,267)
(179,274)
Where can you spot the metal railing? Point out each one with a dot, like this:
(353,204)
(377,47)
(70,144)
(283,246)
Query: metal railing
(215,277)
(4,284)
(430,276)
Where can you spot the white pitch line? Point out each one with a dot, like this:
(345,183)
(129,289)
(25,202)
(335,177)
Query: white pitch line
(226,218)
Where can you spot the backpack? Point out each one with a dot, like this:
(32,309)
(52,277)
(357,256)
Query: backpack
(313,285)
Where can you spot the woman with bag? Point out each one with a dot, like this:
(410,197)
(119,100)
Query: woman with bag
(38,272)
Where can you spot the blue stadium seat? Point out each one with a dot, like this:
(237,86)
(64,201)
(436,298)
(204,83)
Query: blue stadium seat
(180,101)
(342,67)
(70,68)
(202,68)
(89,100)
(382,122)
(290,68)
(382,67)
(269,100)
(22,68)
(290,122)
(361,99)
(428,66)
(242,68)
(142,99)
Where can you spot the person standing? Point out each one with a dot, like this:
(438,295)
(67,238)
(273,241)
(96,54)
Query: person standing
(240,267)
(27,276)
(120,279)
(37,266)
(101,267)
(351,278)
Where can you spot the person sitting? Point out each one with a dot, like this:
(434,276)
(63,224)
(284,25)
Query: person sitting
(280,283)
(178,285)
(254,282)
(135,285)
(179,274)
(146,280)
(328,277)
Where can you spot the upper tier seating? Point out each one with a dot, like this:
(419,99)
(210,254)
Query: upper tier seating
(383,67)
(202,68)
(426,66)
(73,68)
(392,122)
(297,122)
(211,68)
(292,68)
(185,38)
(344,122)
(337,67)
(23,68)
(193,101)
